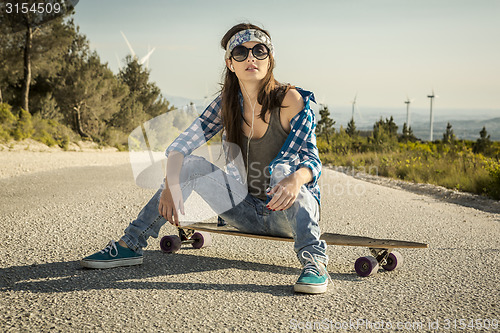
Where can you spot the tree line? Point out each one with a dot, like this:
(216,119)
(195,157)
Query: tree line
(54,88)
(471,166)
(384,137)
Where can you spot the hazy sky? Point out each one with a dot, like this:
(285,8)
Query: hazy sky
(382,50)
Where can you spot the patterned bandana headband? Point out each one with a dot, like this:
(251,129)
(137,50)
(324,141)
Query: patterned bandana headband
(249,35)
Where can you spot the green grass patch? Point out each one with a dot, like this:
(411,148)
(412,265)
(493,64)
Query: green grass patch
(454,166)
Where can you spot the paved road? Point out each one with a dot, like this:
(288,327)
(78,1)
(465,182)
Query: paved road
(51,219)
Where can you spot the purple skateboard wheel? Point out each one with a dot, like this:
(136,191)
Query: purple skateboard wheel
(394,260)
(170,244)
(366,266)
(201,239)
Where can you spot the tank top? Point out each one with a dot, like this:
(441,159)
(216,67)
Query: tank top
(262,151)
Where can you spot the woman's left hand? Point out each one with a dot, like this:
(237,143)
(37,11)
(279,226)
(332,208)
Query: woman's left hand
(284,193)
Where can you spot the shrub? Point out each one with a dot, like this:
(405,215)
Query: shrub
(24,127)
(6,116)
(45,138)
(116,138)
(323,146)
(493,188)
(7,122)
(51,132)
(49,108)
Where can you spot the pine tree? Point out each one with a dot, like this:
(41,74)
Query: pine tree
(391,127)
(483,144)
(385,128)
(144,100)
(136,77)
(87,92)
(351,129)
(449,136)
(325,124)
(408,134)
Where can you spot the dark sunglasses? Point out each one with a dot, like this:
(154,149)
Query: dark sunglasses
(259,51)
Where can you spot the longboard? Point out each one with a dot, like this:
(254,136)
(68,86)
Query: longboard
(198,235)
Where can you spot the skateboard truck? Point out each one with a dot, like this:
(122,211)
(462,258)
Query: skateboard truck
(381,255)
(388,259)
(185,234)
(197,239)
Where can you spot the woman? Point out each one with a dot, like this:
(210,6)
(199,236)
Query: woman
(271,126)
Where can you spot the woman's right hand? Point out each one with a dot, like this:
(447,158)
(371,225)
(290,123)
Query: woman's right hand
(170,202)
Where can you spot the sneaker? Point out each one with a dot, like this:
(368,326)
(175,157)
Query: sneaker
(314,277)
(113,255)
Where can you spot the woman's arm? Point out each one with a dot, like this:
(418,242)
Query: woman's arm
(286,191)
(200,131)
(304,126)
(303,144)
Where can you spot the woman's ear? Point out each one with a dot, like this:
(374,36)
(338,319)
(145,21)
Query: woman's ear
(229,64)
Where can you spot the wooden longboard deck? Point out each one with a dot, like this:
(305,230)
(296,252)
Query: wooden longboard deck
(329,238)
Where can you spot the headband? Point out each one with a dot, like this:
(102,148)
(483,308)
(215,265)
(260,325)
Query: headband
(249,35)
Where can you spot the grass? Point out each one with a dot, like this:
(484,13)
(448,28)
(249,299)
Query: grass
(453,167)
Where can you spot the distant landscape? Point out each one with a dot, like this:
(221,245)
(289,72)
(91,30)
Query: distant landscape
(466,123)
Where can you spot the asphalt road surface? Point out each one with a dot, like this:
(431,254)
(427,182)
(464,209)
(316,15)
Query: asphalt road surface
(49,220)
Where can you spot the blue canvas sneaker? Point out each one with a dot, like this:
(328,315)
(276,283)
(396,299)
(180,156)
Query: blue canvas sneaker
(314,277)
(113,255)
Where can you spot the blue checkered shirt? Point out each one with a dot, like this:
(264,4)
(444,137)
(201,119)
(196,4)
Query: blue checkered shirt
(299,149)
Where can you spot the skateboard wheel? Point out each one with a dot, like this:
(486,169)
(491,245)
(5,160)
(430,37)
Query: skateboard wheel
(366,266)
(201,239)
(170,244)
(394,260)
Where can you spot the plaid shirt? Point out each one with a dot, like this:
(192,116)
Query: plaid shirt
(299,149)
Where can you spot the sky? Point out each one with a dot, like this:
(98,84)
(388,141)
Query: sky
(382,51)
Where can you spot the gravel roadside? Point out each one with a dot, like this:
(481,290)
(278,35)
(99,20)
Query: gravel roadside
(52,218)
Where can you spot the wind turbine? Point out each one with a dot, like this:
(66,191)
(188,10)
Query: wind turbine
(355,108)
(150,52)
(407,102)
(144,59)
(354,105)
(431,96)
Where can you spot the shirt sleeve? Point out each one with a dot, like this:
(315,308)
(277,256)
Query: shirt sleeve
(304,125)
(200,131)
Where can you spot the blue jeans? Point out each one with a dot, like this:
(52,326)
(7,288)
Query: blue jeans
(232,202)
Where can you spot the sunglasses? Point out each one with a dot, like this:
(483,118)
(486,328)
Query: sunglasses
(259,51)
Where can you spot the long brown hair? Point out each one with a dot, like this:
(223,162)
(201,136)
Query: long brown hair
(270,96)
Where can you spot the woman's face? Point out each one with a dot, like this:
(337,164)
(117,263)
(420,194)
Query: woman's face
(250,69)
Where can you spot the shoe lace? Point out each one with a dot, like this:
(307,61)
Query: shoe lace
(312,266)
(111,246)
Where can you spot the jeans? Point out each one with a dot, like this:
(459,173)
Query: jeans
(232,202)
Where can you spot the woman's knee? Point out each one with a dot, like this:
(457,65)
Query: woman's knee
(305,206)
(191,162)
(194,165)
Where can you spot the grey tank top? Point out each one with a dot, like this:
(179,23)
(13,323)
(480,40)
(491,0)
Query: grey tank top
(262,151)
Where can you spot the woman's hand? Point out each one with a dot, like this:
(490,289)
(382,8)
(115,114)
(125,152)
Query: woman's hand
(171,197)
(286,191)
(170,201)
